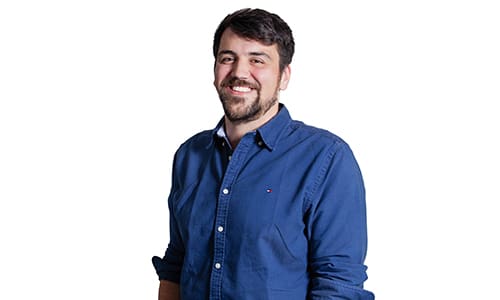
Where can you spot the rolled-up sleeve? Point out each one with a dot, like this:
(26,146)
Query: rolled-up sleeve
(169,267)
(336,228)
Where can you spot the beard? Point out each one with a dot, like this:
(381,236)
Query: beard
(241,109)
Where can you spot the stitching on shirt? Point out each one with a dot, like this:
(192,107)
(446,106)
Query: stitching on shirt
(321,175)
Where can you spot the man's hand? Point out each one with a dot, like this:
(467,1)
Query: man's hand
(168,291)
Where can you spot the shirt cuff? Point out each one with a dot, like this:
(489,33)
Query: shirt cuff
(165,271)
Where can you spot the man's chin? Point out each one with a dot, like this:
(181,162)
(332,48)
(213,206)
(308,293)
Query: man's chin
(232,100)
(240,116)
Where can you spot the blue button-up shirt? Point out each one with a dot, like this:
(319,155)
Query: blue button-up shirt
(281,217)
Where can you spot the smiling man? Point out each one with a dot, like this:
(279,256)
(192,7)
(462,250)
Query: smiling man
(262,206)
(248,78)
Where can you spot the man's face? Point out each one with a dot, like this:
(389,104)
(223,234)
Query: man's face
(247,77)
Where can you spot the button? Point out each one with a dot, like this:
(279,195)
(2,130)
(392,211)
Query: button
(229,157)
(223,144)
(217,266)
(220,229)
(260,143)
(225,191)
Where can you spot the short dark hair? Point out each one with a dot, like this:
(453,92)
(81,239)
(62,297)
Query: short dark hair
(262,26)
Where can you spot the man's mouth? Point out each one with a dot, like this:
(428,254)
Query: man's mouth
(241,89)
(238,86)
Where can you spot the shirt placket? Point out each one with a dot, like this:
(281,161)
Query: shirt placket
(235,163)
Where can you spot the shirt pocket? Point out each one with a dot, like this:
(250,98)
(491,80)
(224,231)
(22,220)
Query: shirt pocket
(260,233)
(252,208)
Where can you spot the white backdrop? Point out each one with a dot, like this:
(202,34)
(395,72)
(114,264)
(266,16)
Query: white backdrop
(95,96)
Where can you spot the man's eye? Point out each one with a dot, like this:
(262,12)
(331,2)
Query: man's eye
(226,60)
(257,61)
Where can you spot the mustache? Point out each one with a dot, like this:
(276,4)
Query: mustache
(235,81)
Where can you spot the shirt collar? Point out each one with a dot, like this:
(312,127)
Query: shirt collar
(271,132)
(268,133)
(220,132)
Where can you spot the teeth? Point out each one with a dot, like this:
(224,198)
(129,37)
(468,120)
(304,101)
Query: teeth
(241,89)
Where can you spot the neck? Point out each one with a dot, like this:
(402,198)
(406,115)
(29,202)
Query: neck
(236,130)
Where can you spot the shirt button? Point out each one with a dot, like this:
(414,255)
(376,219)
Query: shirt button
(229,157)
(260,143)
(217,266)
(225,191)
(220,229)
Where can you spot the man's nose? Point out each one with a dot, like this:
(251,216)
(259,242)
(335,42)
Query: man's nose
(241,69)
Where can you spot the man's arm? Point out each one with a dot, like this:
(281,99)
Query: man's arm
(168,290)
(337,230)
(169,267)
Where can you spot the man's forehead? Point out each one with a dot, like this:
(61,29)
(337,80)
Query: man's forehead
(233,42)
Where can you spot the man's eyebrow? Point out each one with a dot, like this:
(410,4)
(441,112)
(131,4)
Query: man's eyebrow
(253,53)
(223,52)
(260,54)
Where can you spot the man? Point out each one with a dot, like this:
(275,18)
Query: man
(262,206)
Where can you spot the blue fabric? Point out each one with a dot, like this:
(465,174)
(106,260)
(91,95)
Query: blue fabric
(281,217)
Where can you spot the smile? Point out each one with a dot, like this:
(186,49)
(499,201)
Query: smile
(241,89)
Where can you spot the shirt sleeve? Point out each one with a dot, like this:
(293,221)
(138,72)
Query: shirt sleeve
(336,227)
(169,267)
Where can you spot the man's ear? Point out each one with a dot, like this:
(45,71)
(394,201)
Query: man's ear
(285,77)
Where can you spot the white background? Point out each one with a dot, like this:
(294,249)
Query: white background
(97,95)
